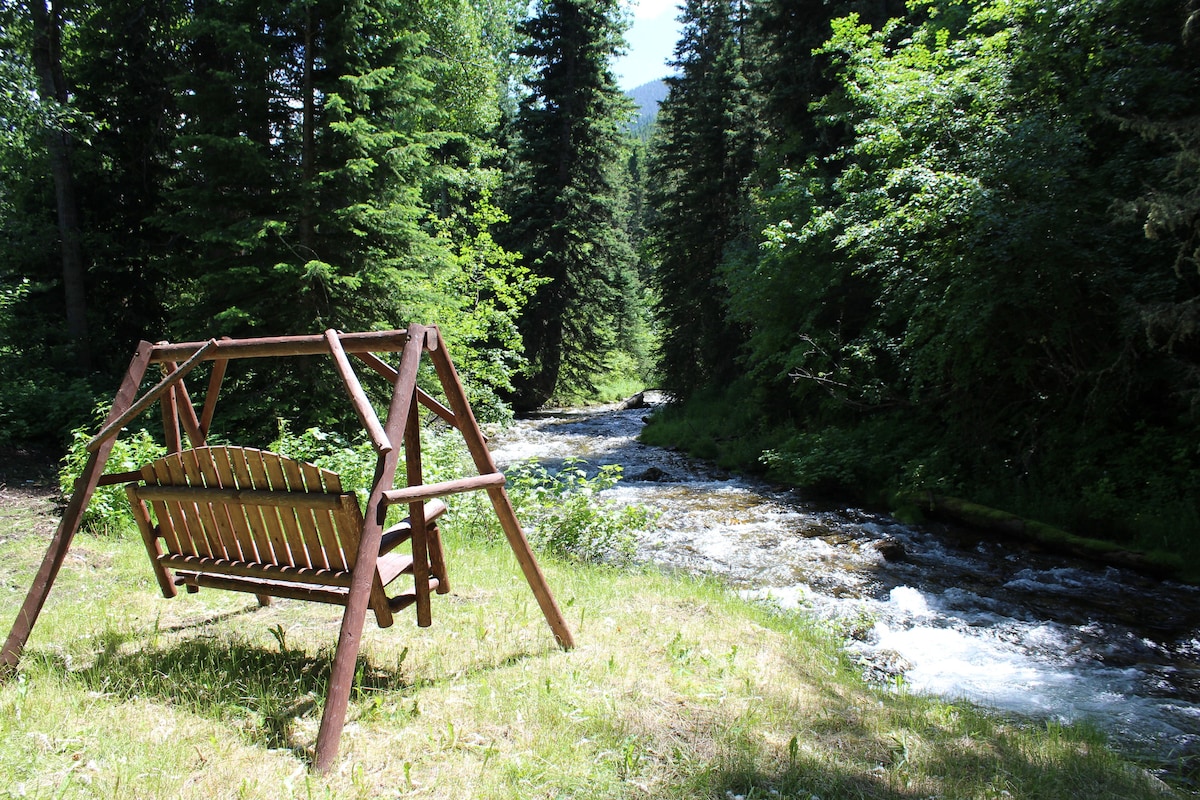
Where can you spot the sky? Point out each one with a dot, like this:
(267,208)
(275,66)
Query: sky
(651,42)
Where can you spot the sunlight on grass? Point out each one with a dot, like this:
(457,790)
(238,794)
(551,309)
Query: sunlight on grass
(677,690)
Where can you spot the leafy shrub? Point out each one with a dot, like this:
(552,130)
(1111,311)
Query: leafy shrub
(39,403)
(564,514)
(108,511)
(354,462)
(443,456)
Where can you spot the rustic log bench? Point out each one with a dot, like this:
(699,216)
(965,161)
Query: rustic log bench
(253,521)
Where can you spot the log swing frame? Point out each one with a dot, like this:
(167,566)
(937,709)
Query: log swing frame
(401,426)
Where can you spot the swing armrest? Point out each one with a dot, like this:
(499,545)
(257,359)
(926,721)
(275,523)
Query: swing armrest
(428,491)
(401,531)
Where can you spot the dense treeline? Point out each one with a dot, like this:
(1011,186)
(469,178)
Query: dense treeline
(963,258)
(185,170)
(889,246)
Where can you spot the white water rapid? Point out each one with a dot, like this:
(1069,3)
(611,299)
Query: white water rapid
(951,612)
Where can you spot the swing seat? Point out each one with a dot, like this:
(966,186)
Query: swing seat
(254,521)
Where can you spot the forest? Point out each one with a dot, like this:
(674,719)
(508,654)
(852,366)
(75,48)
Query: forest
(874,248)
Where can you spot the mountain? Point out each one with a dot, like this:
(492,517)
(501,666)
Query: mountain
(646,97)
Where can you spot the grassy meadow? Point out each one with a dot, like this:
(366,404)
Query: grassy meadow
(677,689)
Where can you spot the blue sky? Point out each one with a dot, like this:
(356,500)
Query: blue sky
(651,42)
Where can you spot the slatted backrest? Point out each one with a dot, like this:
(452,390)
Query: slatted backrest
(253,506)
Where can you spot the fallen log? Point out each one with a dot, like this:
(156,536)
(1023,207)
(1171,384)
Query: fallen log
(1048,537)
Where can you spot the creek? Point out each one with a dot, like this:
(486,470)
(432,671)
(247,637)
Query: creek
(943,610)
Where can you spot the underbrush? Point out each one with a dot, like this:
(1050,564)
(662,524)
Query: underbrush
(720,427)
(566,515)
(561,508)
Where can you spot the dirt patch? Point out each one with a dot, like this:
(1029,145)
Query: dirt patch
(29,486)
(28,467)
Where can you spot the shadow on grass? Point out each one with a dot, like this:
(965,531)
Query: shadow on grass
(999,762)
(261,690)
(1002,770)
(847,745)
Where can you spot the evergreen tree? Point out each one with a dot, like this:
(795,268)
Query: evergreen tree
(256,169)
(123,54)
(702,157)
(566,209)
(47,58)
(793,74)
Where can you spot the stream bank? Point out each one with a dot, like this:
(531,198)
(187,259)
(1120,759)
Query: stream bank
(941,608)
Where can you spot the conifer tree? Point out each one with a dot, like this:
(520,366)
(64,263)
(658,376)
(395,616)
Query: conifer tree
(704,153)
(793,74)
(566,207)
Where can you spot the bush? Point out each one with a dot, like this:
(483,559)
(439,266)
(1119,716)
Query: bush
(108,511)
(353,462)
(565,516)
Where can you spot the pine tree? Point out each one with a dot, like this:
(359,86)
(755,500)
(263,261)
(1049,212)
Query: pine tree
(704,153)
(792,76)
(123,54)
(307,176)
(566,208)
(47,57)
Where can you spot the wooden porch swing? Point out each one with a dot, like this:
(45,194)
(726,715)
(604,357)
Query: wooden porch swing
(253,521)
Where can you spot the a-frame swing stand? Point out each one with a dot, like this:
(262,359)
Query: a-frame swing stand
(232,518)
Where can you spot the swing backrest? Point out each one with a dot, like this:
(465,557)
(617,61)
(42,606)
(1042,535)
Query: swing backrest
(255,521)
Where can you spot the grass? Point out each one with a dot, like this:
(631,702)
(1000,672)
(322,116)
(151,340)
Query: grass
(677,689)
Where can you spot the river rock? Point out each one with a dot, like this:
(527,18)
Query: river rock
(636,401)
(882,666)
(891,549)
(654,475)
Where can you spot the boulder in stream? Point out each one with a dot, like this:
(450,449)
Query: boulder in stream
(636,401)
(891,549)
(654,475)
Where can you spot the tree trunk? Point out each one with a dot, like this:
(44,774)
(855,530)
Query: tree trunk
(47,58)
(307,154)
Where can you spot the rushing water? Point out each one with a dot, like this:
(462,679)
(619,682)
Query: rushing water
(956,614)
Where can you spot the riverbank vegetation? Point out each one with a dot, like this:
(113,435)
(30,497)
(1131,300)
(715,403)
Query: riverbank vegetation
(677,689)
(961,257)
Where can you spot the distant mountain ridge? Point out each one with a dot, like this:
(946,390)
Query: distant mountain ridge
(647,98)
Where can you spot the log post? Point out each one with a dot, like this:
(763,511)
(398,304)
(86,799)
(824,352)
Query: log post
(499,497)
(341,679)
(73,516)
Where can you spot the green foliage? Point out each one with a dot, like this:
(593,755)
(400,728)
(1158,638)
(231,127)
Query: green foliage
(488,287)
(353,461)
(265,170)
(561,510)
(565,200)
(941,296)
(443,456)
(564,515)
(28,377)
(108,510)
(719,424)
(702,155)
